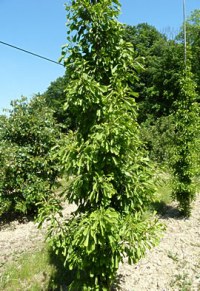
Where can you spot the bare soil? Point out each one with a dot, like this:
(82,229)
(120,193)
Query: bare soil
(173,265)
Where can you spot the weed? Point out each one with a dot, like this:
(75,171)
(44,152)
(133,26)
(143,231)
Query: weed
(196,244)
(182,281)
(173,256)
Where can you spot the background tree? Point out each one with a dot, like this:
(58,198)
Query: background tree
(193,38)
(55,97)
(108,173)
(27,134)
(193,43)
(157,85)
(144,38)
(157,88)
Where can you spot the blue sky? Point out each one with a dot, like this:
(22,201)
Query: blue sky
(39,26)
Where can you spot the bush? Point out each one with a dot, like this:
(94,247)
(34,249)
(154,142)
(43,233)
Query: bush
(27,171)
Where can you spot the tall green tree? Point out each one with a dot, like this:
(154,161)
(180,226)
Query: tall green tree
(109,175)
(186,128)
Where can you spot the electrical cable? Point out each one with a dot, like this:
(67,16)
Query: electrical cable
(31,53)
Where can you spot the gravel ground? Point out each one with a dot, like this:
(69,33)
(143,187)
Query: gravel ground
(173,265)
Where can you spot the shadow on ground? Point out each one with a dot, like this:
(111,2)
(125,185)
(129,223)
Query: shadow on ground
(166,211)
(62,277)
(10,217)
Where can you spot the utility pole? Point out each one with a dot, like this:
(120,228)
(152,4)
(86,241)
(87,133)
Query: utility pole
(185,34)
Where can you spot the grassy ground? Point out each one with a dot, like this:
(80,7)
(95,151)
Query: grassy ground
(30,272)
(163,192)
(35,271)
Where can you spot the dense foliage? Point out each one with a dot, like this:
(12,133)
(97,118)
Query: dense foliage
(108,175)
(27,172)
(159,137)
(193,42)
(55,97)
(186,127)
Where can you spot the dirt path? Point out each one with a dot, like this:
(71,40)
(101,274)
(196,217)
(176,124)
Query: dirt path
(173,265)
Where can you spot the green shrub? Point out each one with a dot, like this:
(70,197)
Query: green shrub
(27,170)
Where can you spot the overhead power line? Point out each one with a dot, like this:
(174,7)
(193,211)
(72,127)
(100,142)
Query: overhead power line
(31,53)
